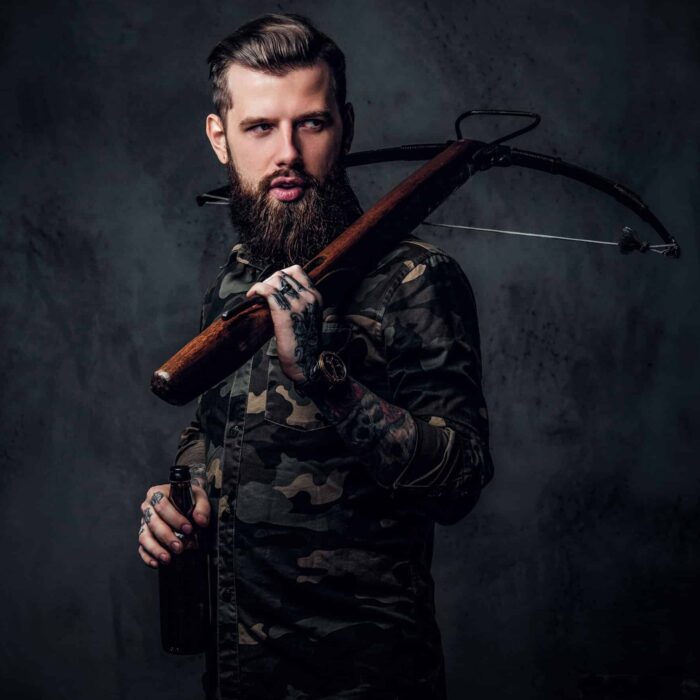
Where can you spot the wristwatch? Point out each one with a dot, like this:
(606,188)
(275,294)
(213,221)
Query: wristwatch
(328,373)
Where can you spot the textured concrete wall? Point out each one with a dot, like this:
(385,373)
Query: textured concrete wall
(582,557)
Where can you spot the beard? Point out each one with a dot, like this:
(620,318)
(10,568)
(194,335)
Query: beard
(282,233)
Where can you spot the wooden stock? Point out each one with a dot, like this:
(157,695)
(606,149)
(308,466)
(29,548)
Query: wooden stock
(228,342)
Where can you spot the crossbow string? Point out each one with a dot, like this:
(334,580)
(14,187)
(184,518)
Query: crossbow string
(496,154)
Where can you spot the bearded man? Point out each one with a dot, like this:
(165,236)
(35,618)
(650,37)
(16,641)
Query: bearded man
(329,456)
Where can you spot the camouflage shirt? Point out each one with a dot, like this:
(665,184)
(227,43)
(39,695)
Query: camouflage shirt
(321,564)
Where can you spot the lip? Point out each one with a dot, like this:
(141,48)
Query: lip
(286,194)
(287,181)
(287,189)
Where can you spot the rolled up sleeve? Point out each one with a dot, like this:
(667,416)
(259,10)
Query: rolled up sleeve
(191,448)
(431,338)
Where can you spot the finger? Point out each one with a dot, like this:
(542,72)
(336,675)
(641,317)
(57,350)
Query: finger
(147,558)
(289,286)
(160,529)
(276,278)
(202,507)
(275,298)
(298,274)
(151,547)
(279,301)
(169,513)
(263,289)
(280,278)
(198,475)
(163,488)
(294,282)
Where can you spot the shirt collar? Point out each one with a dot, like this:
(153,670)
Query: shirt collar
(239,253)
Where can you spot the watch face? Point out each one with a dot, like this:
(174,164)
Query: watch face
(333,367)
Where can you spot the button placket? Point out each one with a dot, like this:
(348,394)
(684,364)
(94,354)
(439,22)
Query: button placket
(231,466)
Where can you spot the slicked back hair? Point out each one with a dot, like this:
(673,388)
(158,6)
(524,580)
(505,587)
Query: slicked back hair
(274,44)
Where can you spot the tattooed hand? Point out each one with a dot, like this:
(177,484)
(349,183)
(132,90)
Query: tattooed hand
(295,305)
(160,520)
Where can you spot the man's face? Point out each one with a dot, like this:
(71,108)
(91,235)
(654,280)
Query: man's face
(283,122)
(282,143)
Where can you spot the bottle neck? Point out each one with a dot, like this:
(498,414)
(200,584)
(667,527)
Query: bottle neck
(181,497)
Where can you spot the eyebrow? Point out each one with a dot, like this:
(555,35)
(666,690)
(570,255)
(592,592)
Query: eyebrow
(319,114)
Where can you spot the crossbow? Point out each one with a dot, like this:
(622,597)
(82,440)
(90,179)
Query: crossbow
(496,154)
(233,337)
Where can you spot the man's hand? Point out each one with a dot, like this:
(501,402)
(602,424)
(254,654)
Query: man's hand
(160,519)
(295,305)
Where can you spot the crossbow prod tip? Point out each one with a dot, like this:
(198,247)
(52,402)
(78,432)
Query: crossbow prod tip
(629,242)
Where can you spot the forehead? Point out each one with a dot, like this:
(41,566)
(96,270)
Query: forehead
(298,90)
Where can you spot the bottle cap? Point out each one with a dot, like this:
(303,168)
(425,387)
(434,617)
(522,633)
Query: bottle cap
(179,473)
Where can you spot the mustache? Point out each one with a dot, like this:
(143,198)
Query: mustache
(307,179)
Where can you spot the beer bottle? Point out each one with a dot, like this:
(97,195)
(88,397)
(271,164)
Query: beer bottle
(184,581)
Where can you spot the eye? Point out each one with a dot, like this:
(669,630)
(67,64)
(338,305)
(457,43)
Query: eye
(314,124)
(259,128)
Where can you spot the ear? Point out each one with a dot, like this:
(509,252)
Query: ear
(348,127)
(216,133)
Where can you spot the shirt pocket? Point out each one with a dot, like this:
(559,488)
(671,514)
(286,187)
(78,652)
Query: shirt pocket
(283,405)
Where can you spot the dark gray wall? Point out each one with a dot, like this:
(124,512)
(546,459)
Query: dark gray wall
(582,556)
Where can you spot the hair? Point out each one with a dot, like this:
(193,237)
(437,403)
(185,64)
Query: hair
(274,44)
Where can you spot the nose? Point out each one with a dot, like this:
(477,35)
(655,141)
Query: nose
(288,153)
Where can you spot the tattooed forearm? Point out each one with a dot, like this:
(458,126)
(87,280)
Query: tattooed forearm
(383,433)
(306,327)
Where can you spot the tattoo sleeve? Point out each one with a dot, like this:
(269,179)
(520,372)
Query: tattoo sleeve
(306,326)
(382,433)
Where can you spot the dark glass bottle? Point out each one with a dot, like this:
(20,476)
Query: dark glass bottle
(184,582)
